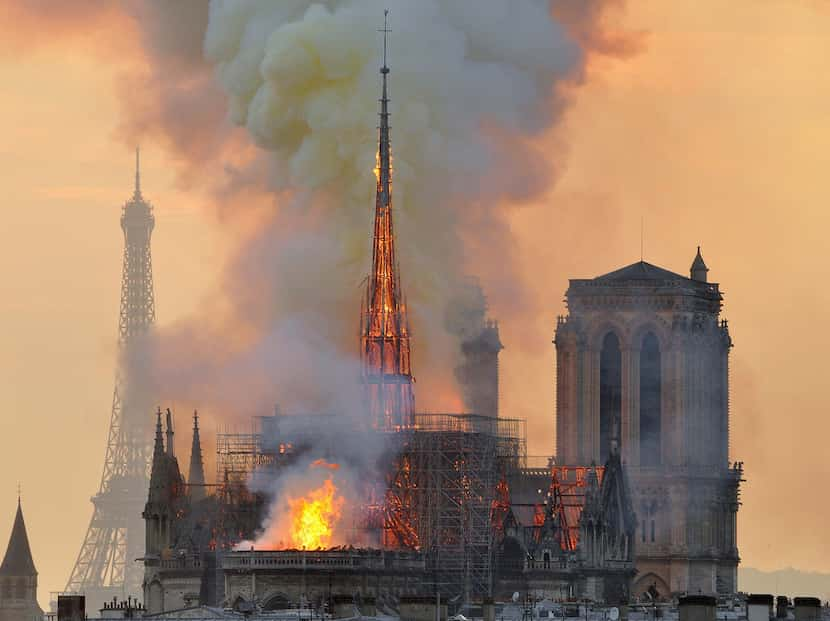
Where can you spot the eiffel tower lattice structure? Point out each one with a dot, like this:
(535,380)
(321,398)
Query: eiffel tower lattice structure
(106,566)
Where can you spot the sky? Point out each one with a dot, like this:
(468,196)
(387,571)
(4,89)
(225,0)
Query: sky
(713,131)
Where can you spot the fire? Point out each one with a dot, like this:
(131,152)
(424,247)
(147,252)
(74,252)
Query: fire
(376,169)
(314,516)
(322,463)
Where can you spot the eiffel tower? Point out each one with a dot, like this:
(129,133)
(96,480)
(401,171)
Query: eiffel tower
(106,566)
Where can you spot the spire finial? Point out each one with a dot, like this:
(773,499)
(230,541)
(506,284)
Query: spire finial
(137,173)
(19,493)
(384,155)
(385,30)
(159,442)
(196,476)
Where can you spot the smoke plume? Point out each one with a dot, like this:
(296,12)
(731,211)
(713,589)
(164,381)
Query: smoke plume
(472,85)
(272,106)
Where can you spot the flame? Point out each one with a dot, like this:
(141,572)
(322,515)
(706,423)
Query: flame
(376,169)
(322,463)
(314,516)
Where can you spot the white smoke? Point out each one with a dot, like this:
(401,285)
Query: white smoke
(470,81)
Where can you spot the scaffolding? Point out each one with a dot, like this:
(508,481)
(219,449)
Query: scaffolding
(271,442)
(442,485)
(238,455)
(442,494)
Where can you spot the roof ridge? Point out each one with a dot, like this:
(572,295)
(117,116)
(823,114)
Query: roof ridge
(641,270)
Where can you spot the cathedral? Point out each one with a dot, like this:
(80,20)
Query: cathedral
(640,496)
(18,577)
(644,349)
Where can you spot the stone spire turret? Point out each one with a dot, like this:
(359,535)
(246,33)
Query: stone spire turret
(166,494)
(18,576)
(196,475)
(18,560)
(157,467)
(699,270)
(158,447)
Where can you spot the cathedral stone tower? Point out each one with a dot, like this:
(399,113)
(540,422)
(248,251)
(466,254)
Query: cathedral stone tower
(18,577)
(644,347)
(478,369)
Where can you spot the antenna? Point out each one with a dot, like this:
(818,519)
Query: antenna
(137,174)
(385,30)
(642,219)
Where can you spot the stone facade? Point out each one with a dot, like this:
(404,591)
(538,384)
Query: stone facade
(190,560)
(644,348)
(283,578)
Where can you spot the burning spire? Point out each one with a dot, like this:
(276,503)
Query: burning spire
(384,338)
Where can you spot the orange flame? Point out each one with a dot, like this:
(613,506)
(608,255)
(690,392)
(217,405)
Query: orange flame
(322,463)
(314,516)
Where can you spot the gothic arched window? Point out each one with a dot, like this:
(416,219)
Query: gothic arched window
(650,383)
(610,392)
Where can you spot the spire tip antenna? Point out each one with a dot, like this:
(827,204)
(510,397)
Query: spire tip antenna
(137,173)
(385,30)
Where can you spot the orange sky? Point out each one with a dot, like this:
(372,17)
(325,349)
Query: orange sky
(714,133)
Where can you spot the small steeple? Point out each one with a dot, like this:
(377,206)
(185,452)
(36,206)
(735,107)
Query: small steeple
(158,448)
(169,433)
(137,193)
(18,560)
(699,270)
(196,476)
(157,466)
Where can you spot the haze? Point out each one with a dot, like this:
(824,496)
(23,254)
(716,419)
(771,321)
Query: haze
(713,131)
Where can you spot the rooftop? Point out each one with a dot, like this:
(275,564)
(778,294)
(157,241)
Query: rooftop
(18,560)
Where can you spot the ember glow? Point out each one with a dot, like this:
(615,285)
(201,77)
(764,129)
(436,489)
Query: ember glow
(314,516)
